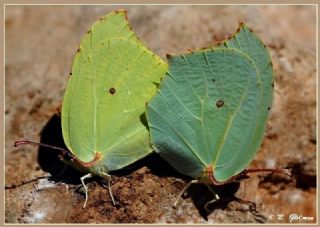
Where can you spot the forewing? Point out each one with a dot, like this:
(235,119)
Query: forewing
(113,76)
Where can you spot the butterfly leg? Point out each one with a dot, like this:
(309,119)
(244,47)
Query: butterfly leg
(183,191)
(108,178)
(216,198)
(89,175)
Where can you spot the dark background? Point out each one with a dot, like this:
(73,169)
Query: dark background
(40,42)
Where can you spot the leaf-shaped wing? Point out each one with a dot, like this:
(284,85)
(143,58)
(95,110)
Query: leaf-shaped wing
(205,107)
(113,76)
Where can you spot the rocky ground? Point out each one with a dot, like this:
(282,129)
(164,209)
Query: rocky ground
(40,44)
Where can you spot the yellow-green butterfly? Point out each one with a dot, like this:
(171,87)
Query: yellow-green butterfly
(112,77)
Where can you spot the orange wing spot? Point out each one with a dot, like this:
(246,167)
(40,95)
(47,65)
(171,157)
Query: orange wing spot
(212,179)
(96,158)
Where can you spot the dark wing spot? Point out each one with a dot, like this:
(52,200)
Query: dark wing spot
(269,108)
(272,84)
(220,103)
(112,91)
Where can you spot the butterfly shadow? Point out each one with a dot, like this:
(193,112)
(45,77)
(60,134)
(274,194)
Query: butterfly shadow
(48,158)
(204,199)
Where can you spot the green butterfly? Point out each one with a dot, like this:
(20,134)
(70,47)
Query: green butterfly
(209,115)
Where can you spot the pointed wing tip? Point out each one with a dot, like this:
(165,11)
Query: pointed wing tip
(243,25)
(122,12)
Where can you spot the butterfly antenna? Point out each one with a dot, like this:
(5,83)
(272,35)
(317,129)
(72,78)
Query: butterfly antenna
(284,171)
(22,142)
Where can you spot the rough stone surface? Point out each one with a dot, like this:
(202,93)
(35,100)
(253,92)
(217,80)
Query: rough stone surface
(40,44)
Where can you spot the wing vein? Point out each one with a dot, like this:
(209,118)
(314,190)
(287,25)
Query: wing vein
(179,135)
(181,103)
(229,126)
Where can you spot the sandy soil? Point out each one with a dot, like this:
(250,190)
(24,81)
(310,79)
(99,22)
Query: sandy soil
(40,44)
